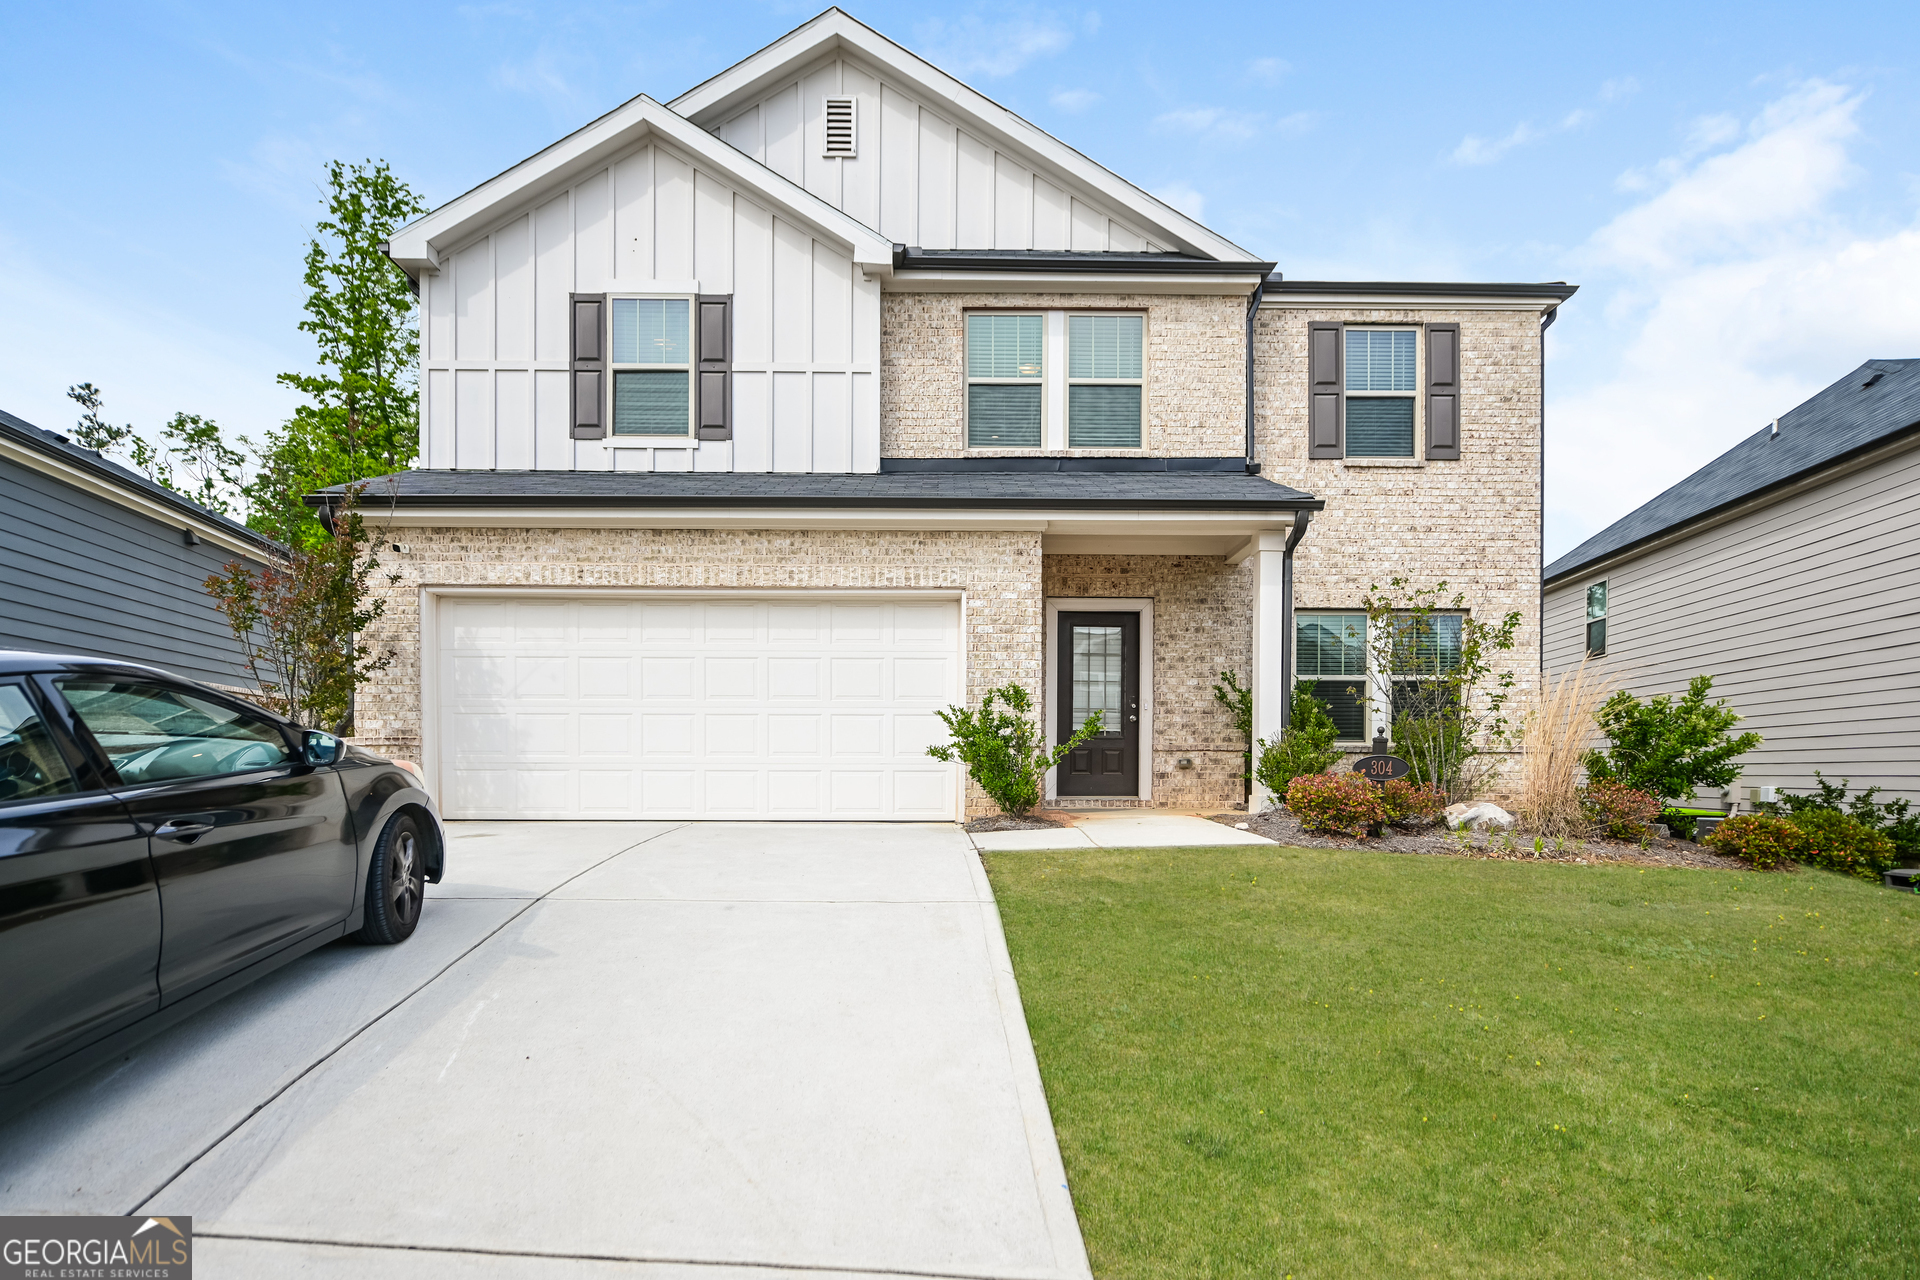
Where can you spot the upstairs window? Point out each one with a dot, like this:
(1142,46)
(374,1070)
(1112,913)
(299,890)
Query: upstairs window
(1005,364)
(1382,368)
(652,352)
(1597,619)
(1104,383)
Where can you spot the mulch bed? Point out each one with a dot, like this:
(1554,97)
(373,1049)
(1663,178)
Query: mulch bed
(1280,824)
(1001,822)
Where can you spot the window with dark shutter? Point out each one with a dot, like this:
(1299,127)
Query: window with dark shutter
(1324,393)
(713,368)
(840,128)
(589,363)
(1443,391)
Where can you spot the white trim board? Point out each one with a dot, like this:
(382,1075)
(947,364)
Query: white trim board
(1142,605)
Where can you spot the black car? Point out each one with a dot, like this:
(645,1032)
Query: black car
(163,843)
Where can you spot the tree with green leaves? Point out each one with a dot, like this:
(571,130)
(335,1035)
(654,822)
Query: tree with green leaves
(1306,745)
(361,418)
(193,457)
(1669,746)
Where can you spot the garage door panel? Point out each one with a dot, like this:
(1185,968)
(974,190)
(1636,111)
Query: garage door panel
(733,708)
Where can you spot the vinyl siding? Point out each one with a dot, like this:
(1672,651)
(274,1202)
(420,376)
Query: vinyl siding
(83,575)
(1807,614)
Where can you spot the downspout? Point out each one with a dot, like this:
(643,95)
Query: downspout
(1301,519)
(1253,310)
(1540,622)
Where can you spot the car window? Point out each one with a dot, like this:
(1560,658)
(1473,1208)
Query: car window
(154,733)
(30,765)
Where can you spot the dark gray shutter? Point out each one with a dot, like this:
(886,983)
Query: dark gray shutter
(588,344)
(1443,391)
(712,368)
(1324,392)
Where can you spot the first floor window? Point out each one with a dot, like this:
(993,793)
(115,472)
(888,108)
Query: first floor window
(1597,619)
(652,367)
(1105,363)
(1382,374)
(1425,650)
(1005,364)
(1331,661)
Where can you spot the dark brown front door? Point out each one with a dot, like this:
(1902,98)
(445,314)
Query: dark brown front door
(1100,671)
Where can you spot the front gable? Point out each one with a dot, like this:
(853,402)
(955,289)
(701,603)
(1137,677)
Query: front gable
(936,165)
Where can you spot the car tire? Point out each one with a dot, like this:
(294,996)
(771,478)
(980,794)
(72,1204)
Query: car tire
(396,883)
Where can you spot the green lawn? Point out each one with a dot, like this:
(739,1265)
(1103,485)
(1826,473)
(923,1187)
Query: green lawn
(1285,1062)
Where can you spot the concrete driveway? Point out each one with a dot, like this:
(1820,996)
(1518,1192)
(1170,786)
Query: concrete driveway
(640,1049)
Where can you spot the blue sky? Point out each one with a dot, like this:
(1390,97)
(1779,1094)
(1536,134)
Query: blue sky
(1735,188)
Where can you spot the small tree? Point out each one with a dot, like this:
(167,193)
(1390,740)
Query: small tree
(300,622)
(1668,747)
(1432,665)
(1001,747)
(1306,745)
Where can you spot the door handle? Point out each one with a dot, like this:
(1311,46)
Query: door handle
(182,830)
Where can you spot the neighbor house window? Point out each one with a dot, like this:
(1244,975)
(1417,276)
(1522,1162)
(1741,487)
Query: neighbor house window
(1331,661)
(1597,619)
(652,367)
(1382,368)
(1005,364)
(1104,382)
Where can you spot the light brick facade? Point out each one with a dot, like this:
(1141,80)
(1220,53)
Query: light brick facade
(1195,371)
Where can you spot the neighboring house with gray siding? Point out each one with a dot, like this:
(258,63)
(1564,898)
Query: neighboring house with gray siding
(102,561)
(1788,569)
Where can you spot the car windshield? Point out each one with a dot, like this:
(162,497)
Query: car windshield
(154,733)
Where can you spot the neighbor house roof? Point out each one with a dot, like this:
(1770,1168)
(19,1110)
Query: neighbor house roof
(54,454)
(1870,406)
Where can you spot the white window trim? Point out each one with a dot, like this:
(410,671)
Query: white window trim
(1050,693)
(1054,380)
(1412,458)
(614,371)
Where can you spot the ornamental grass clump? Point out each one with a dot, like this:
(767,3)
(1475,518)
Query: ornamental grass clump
(1557,729)
(1845,844)
(1001,747)
(1342,803)
(1619,810)
(1760,840)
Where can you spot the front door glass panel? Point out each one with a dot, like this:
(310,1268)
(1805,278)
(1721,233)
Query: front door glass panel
(1097,654)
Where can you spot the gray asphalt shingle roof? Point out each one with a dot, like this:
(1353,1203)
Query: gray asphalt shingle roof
(1878,400)
(1056,490)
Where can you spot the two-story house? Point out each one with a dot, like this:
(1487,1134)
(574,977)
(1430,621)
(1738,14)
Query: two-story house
(761,424)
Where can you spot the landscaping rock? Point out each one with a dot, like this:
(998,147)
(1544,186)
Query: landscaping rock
(1479,816)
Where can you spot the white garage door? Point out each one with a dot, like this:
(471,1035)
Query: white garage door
(792,707)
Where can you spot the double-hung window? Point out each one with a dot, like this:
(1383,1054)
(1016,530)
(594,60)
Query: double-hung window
(1382,379)
(1425,649)
(1332,663)
(1104,382)
(1006,359)
(652,352)
(1597,619)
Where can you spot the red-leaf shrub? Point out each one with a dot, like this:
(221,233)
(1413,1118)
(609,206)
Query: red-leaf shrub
(1842,843)
(1404,799)
(1342,802)
(1621,811)
(1760,840)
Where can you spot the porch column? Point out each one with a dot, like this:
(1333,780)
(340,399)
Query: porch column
(1271,608)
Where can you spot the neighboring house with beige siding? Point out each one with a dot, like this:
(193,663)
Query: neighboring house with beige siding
(764,423)
(1788,569)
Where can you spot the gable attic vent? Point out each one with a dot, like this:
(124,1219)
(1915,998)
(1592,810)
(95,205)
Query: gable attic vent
(840,127)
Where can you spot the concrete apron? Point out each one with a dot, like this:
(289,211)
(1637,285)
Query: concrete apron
(708,1050)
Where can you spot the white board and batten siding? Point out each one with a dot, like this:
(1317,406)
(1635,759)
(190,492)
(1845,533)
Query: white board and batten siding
(806,326)
(1807,614)
(782,707)
(916,177)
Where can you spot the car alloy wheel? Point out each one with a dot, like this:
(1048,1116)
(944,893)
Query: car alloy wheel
(403,879)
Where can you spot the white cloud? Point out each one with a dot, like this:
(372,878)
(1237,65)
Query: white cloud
(1074,100)
(1618,88)
(1219,124)
(1183,197)
(1474,149)
(1000,43)
(1743,287)
(1268,71)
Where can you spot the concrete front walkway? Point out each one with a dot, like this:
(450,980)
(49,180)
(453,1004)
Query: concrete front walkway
(710,1050)
(1118,829)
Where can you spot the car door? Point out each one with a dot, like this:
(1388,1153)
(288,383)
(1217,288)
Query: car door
(79,910)
(252,845)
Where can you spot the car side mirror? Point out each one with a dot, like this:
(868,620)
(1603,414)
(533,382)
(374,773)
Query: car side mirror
(321,748)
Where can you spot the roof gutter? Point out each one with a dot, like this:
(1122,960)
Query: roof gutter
(1067,262)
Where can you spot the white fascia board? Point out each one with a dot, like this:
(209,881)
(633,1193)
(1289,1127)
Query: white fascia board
(923,281)
(131,499)
(422,244)
(708,103)
(1408,302)
(1227,526)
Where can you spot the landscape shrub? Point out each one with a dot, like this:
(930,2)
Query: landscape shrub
(1001,747)
(1403,799)
(1306,745)
(1621,811)
(1336,802)
(1894,819)
(1667,746)
(1761,840)
(1842,843)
